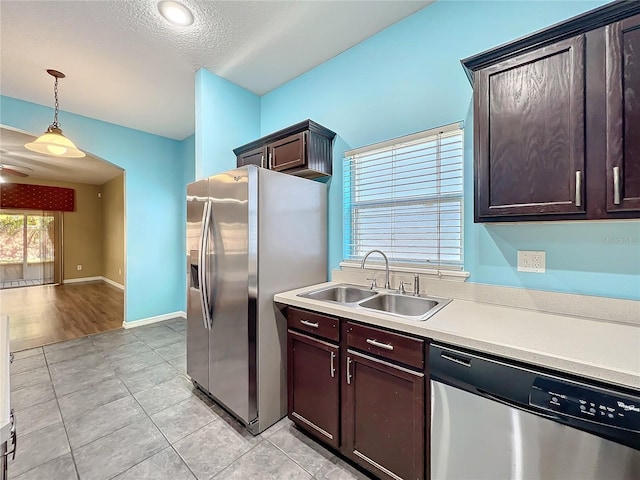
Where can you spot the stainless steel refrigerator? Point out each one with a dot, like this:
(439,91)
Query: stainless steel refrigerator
(251,233)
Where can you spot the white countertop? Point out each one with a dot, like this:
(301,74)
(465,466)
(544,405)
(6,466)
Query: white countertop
(595,349)
(5,391)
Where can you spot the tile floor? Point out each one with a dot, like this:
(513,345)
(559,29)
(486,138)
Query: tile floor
(20,283)
(118,405)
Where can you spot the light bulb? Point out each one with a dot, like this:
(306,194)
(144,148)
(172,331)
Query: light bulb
(56,149)
(175,13)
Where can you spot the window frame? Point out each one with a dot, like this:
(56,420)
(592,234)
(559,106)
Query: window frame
(351,206)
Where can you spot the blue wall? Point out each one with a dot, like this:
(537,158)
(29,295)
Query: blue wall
(188,155)
(154,200)
(227,116)
(408,78)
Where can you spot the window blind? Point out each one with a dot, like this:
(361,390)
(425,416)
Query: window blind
(404,197)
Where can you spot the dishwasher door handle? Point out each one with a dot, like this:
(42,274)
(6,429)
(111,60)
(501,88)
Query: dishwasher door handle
(518,406)
(465,362)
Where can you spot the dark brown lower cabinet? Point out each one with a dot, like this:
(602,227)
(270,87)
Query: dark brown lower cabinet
(313,386)
(361,390)
(384,417)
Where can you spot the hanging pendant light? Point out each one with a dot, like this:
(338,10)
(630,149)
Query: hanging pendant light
(53,142)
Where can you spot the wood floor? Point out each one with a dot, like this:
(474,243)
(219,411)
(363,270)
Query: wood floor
(53,313)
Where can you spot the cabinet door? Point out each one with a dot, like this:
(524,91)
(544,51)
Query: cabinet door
(529,133)
(253,157)
(623,115)
(313,386)
(384,417)
(288,152)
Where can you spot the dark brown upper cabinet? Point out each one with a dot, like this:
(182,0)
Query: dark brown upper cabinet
(257,156)
(529,122)
(304,149)
(557,123)
(623,115)
(288,153)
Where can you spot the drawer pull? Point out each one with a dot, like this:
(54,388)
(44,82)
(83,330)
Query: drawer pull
(333,367)
(262,161)
(348,370)
(578,188)
(616,185)
(375,343)
(309,324)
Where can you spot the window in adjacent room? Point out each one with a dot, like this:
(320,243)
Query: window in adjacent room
(404,197)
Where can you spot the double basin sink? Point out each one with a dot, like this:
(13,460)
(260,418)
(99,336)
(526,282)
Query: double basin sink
(411,307)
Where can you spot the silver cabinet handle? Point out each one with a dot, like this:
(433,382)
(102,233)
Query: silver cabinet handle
(349,370)
(578,188)
(262,161)
(309,324)
(616,185)
(375,343)
(14,436)
(270,159)
(333,367)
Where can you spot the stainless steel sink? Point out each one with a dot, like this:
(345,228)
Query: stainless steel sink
(415,308)
(341,294)
(400,304)
(409,307)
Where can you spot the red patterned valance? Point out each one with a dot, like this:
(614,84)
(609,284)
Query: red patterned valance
(36,197)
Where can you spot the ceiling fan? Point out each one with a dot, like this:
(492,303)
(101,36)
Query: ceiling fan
(7,170)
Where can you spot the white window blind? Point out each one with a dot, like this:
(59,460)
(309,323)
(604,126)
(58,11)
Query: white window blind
(404,197)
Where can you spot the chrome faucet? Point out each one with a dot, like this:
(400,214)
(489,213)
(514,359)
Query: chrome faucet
(386,266)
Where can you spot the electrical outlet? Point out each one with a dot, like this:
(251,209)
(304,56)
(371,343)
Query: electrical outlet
(79,267)
(532,261)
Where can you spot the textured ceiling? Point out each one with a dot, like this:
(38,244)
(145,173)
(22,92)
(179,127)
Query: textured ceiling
(126,65)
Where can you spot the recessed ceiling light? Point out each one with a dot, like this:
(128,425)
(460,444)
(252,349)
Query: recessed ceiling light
(176,13)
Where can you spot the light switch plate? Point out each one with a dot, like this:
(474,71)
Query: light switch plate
(532,261)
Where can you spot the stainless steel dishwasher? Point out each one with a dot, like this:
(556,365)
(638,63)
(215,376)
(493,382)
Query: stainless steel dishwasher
(493,419)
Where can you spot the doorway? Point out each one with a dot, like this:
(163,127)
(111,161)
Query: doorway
(30,249)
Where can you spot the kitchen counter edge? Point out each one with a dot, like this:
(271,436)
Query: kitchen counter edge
(509,339)
(5,389)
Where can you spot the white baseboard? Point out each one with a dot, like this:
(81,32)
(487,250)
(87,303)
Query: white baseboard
(111,282)
(93,279)
(149,320)
(80,280)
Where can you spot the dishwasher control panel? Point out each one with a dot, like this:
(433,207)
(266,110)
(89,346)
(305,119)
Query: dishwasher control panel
(586,403)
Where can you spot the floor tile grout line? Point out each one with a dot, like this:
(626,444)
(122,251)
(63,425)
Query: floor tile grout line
(161,433)
(293,459)
(118,429)
(64,425)
(118,376)
(262,439)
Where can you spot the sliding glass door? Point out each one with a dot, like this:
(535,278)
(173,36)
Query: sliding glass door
(29,248)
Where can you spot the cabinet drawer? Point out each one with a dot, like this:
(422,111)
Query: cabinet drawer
(394,346)
(314,323)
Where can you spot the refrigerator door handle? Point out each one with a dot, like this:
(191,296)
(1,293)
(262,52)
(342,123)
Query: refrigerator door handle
(208,271)
(202,270)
